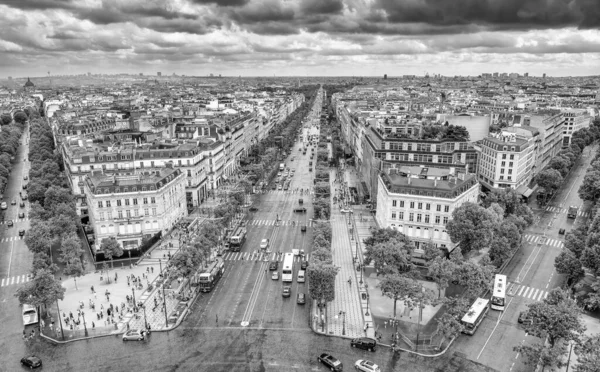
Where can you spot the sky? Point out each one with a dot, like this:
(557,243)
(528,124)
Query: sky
(299,37)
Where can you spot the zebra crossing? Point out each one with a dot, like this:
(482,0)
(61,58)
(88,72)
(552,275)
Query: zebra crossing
(580,213)
(261,256)
(533,239)
(281,223)
(10,239)
(535,294)
(269,191)
(13,280)
(15,220)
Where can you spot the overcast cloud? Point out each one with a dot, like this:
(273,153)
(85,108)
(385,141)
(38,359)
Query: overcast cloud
(299,37)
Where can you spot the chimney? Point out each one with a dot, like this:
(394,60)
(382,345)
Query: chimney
(114,179)
(435,179)
(409,177)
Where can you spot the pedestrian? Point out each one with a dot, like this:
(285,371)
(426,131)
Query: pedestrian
(93,325)
(385,324)
(93,290)
(71,314)
(152,269)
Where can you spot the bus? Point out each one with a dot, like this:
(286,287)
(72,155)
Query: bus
(475,315)
(208,279)
(237,239)
(499,292)
(30,314)
(288,264)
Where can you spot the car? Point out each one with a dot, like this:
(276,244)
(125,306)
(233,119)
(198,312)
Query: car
(133,335)
(330,362)
(301,298)
(22,204)
(279,174)
(264,244)
(273,265)
(4,205)
(365,343)
(9,223)
(310,169)
(287,291)
(279,187)
(300,210)
(24,197)
(304,265)
(24,186)
(25,178)
(300,149)
(31,361)
(14,202)
(366,366)
(300,201)
(21,214)
(22,232)
(303,228)
(561,232)
(524,318)
(275,275)
(274,187)
(253,209)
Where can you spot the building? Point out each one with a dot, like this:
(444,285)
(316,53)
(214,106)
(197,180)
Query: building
(507,159)
(419,201)
(574,120)
(133,206)
(159,73)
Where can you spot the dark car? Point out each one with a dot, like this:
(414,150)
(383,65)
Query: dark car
(24,186)
(330,362)
(274,187)
(524,318)
(25,177)
(9,223)
(303,228)
(561,232)
(304,265)
(300,210)
(22,204)
(21,215)
(301,300)
(300,201)
(273,265)
(253,209)
(22,232)
(310,169)
(287,291)
(364,343)
(14,202)
(31,361)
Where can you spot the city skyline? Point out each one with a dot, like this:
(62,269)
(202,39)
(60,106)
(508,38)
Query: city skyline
(299,38)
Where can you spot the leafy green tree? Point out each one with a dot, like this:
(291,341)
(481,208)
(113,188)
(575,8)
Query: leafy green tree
(538,354)
(473,277)
(20,117)
(43,289)
(55,196)
(575,240)
(111,248)
(567,263)
(442,272)
(6,119)
(381,235)
(549,179)
(390,257)
(321,242)
(321,281)
(320,254)
(39,237)
(398,287)
(590,187)
(588,354)
(449,324)
(560,164)
(471,227)
(42,261)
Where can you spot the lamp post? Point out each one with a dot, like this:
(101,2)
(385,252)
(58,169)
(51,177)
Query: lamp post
(134,304)
(60,320)
(84,325)
(163,294)
(366,289)
(343,315)
(145,320)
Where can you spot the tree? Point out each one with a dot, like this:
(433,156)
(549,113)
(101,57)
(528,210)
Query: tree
(6,119)
(575,240)
(39,237)
(560,164)
(381,235)
(556,318)
(20,117)
(442,271)
(449,324)
(321,281)
(471,227)
(473,277)
(42,261)
(70,255)
(111,248)
(43,289)
(549,179)
(55,196)
(590,187)
(390,257)
(588,354)
(320,254)
(398,287)
(540,354)
(567,263)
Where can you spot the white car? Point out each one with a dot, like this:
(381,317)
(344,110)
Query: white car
(366,366)
(134,335)
(4,205)
(275,275)
(264,244)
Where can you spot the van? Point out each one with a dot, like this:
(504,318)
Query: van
(364,343)
(301,276)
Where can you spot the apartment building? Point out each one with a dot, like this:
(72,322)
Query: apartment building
(550,124)
(574,120)
(132,206)
(419,201)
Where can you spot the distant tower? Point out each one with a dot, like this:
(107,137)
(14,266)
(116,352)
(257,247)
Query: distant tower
(544,75)
(28,85)
(384,76)
(159,74)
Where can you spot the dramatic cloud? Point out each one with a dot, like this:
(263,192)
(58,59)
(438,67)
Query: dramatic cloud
(300,36)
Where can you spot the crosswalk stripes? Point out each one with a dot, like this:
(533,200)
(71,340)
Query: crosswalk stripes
(533,239)
(311,192)
(10,239)
(13,280)
(261,256)
(15,220)
(580,212)
(535,294)
(281,223)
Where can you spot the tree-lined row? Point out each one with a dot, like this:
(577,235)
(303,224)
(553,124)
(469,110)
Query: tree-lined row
(321,270)
(10,136)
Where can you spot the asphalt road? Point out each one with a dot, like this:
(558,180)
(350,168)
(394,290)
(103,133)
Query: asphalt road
(531,275)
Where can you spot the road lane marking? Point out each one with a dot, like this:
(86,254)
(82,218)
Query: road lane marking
(496,326)
(521,290)
(533,294)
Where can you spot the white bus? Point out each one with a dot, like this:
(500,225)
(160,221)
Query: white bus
(499,292)
(475,315)
(288,264)
(30,315)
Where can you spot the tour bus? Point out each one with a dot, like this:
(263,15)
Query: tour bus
(30,314)
(237,239)
(499,292)
(475,315)
(288,264)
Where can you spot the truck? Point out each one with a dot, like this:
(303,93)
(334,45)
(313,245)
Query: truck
(207,279)
(237,239)
(572,213)
(281,167)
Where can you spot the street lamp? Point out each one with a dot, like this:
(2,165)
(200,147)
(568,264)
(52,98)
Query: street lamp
(84,325)
(143,306)
(133,293)
(163,293)
(366,289)
(343,315)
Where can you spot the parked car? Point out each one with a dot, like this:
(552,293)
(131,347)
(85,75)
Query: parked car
(31,361)
(364,343)
(264,244)
(22,232)
(22,204)
(273,265)
(24,186)
(287,291)
(304,265)
(275,275)
(561,232)
(279,187)
(300,210)
(330,362)
(301,300)
(9,223)
(25,178)
(366,366)
(21,214)
(253,209)
(310,169)
(303,228)
(4,205)
(14,202)
(524,318)
(133,335)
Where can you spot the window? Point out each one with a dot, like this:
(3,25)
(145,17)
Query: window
(503,164)
(152,200)
(419,217)
(446,208)
(128,212)
(420,206)
(135,201)
(426,218)
(510,171)
(109,215)
(503,156)
(501,170)
(118,202)
(146,212)
(427,206)
(120,214)
(136,212)
(393,215)
(510,164)
(101,216)
(512,157)
(154,211)
(401,203)
(437,220)
(401,215)
(438,207)
(445,220)
(411,217)
(145,200)
(126,201)
(412,205)
(393,203)
(108,204)
(100,204)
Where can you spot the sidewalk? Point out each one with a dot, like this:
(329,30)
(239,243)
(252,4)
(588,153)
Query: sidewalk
(94,315)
